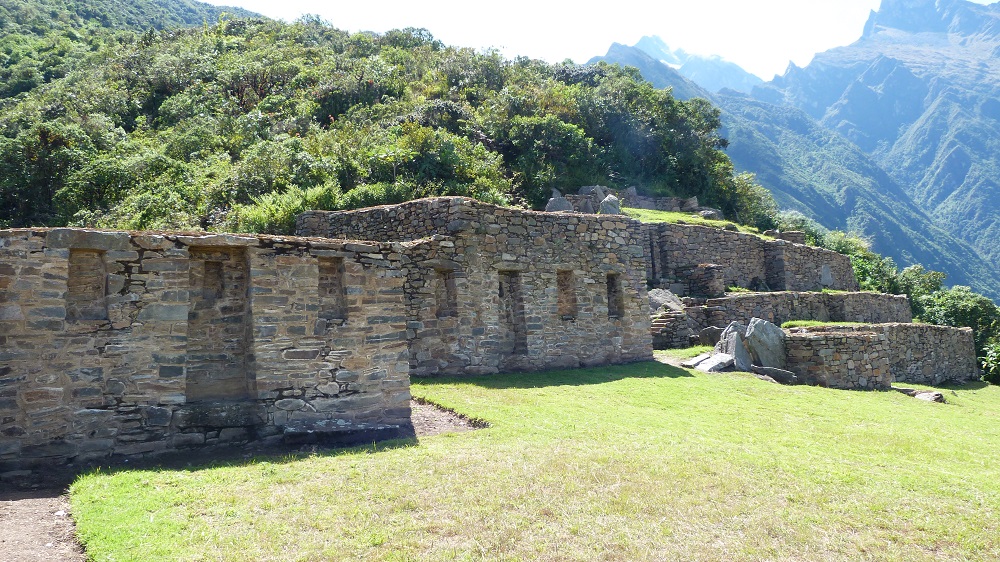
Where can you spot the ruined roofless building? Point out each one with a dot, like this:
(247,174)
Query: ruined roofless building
(118,344)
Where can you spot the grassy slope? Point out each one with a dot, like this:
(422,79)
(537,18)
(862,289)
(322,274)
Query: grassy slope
(644,462)
(652,216)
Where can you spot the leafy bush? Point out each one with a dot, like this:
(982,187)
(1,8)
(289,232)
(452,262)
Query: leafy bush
(990,361)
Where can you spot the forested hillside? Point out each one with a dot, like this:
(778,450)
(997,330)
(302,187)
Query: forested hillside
(241,124)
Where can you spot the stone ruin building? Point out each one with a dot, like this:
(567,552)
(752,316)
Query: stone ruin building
(130,344)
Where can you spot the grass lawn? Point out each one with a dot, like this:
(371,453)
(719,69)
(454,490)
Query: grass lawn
(649,215)
(642,462)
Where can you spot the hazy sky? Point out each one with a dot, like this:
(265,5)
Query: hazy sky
(762,36)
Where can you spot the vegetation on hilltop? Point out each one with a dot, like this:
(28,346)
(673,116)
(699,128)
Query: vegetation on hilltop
(242,124)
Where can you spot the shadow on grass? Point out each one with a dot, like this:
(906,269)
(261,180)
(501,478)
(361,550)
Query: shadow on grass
(568,377)
(245,456)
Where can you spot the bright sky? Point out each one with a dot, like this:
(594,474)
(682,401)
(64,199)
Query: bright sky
(762,36)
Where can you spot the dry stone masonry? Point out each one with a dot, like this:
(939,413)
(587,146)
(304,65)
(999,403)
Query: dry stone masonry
(125,344)
(129,344)
(535,290)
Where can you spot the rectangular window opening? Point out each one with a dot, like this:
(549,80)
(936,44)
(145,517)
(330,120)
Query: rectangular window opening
(512,312)
(566,301)
(446,294)
(332,293)
(616,299)
(86,286)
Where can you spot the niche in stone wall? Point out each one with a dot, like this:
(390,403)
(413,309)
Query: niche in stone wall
(446,293)
(512,312)
(616,298)
(218,325)
(566,298)
(86,286)
(332,292)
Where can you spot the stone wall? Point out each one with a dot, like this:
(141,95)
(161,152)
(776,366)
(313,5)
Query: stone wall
(784,306)
(676,329)
(922,353)
(840,360)
(117,344)
(494,289)
(749,261)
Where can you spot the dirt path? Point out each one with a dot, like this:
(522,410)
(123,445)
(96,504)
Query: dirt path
(36,525)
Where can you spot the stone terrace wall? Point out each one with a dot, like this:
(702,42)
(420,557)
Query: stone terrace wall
(781,307)
(124,344)
(502,289)
(840,360)
(683,247)
(748,260)
(797,267)
(922,353)
(412,220)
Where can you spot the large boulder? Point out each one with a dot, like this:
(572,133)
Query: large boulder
(711,214)
(733,344)
(766,343)
(716,364)
(610,206)
(587,207)
(662,298)
(559,205)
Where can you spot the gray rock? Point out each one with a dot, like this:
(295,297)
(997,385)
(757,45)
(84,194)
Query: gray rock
(690,205)
(558,205)
(716,364)
(766,342)
(596,191)
(556,193)
(630,193)
(610,206)
(780,376)
(930,396)
(695,361)
(587,207)
(290,404)
(733,327)
(662,298)
(732,344)
(826,276)
(710,335)
(711,214)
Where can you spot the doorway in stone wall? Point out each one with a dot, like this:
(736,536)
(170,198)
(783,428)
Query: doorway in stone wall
(218,326)
(512,312)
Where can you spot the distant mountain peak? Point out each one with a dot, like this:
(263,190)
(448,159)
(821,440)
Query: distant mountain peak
(712,73)
(933,16)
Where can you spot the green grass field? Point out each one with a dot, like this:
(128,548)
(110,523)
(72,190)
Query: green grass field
(649,215)
(641,462)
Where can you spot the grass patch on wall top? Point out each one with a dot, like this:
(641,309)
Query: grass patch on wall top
(638,462)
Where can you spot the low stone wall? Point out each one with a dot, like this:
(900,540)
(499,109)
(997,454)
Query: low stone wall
(683,247)
(784,306)
(749,261)
(675,330)
(130,344)
(797,267)
(922,353)
(840,360)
